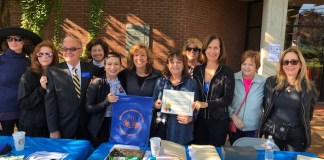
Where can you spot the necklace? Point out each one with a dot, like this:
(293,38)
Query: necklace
(288,89)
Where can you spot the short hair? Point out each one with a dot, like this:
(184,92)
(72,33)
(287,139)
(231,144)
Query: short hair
(130,60)
(255,55)
(112,54)
(196,42)
(94,42)
(35,65)
(208,40)
(175,54)
(75,38)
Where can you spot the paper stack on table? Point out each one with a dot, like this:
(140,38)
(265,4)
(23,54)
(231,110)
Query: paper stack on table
(206,152)
(301,157)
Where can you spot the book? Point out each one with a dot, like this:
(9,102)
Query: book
(206,152)
(125,153)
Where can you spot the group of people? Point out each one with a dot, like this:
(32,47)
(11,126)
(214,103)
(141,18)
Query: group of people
(73,99)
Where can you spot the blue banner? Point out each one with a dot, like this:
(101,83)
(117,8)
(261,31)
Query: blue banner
(131,120)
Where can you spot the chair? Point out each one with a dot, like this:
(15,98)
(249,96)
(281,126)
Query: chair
(257,143)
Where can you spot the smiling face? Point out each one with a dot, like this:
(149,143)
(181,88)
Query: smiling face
(191,54)
(248,68)
(112,67)
(71,50)
(290,69)
(44,57)
(140,58)
(97,53)
(175,66)
(213,50)
(15,43)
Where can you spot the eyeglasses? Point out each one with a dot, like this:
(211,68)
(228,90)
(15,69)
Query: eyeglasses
(73,49)
(194,49)
(16,39)
(41,54)
(292,62)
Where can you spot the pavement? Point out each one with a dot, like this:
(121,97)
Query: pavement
(317,125)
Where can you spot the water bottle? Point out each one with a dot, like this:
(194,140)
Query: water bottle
(269,149)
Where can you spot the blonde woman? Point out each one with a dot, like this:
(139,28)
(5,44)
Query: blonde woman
(289,102)
(192,50)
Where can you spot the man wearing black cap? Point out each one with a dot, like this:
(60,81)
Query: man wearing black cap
(16,43)
(66,91)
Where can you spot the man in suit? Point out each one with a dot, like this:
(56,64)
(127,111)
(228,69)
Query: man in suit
(66,93)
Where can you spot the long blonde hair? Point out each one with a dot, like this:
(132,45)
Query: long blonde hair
(302,73)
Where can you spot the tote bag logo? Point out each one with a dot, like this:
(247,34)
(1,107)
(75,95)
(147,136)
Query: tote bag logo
(131,122)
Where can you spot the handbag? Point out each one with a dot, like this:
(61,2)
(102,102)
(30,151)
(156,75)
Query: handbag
(231,126)
(276,129)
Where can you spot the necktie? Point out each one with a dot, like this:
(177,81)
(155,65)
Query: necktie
(76,82)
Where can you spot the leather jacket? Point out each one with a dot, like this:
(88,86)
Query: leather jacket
(306,109)
(220,93)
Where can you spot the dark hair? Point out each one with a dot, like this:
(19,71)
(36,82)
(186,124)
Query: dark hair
(27,48)
(35,65)
(94,42)
(255,55)
(222,57)
(112,54)
(174,54)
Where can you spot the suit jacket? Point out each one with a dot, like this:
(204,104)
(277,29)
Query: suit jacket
(64,111)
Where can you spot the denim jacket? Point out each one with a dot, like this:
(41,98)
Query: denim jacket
(251,110)
(176,132)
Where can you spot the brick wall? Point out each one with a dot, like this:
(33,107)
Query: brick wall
(171,22)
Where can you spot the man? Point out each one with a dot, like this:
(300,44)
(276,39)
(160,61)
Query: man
(66,93)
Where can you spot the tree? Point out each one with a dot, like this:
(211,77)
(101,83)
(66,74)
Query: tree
(4,14)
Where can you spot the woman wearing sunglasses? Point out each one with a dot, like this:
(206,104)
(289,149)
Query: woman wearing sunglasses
(192,50)
(32,89)
(16,43)
(289,102)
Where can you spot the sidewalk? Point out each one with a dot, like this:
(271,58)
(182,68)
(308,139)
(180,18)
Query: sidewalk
(317,124)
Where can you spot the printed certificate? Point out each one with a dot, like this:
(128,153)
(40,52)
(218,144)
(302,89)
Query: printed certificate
(177,102)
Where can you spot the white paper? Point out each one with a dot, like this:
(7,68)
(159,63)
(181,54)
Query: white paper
(273,52)
(44,155)
(177,102)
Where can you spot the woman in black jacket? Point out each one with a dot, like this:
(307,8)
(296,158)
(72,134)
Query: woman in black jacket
(32,90)
(216,90)
(101,94)
(289,101)
(97,50)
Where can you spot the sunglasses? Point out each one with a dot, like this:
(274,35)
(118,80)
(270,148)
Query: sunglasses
(16,39)
(73,49)
(193,49)
(292,62)
(41,54)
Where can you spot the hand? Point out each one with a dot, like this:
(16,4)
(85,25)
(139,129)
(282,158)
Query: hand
(197,105)
(158,104)
(237,121)
(55,134)
(43,81)
(112,98)
(184,119)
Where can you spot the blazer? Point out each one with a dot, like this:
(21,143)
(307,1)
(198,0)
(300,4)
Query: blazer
(64,111)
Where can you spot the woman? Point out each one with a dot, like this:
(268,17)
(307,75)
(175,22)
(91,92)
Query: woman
(289,102)
(101,94)
(97,50)
(32,90)
(216,90)
(16,44)
(246,107)
(192,50)
(139,77)
(179,128)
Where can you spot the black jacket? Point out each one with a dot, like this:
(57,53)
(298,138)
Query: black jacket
(128,79)
(31,100)
(97,103)
(306,109)
(220,92)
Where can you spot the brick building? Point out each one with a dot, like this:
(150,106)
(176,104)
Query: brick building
(171,23)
